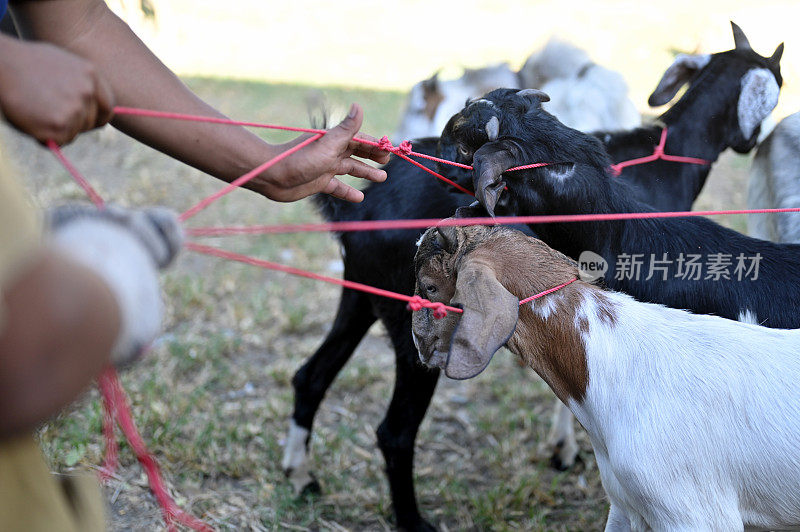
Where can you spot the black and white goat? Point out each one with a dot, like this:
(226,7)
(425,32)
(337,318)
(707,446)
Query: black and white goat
(384,258)
(775,183)
(694,420)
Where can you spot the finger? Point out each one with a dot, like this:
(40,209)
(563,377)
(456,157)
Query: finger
(339,137)
(368,151)
(89,115)
(361,169)
(337,189)
(104,97)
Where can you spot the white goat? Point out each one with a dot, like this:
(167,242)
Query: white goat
(694,420)
(432,102)
(583,95)
(775,183)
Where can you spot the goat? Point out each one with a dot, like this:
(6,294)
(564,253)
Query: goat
(730,93)
(585,95)
(775,183)
(385,258)
(431,102)
(694,420)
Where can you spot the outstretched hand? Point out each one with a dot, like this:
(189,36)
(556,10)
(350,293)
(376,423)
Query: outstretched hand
(313,169)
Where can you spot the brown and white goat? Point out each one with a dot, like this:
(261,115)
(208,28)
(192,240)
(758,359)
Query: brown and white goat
(694,419)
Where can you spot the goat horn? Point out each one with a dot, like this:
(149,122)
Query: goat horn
(534,93)
(493,128)
(739,38)
(775,59)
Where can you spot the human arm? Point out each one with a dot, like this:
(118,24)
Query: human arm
(138,79)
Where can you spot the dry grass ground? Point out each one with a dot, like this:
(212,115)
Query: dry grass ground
(213,397)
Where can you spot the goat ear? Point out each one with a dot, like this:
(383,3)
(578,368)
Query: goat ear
(757,99)
(488,321)
(678,73)
(489,163)
(739,38)
(775,58)
(431,85)
(447,238)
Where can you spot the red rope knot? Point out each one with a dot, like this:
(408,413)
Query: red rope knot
(385,144)
(415,304)
(405,147)
(439,310)
(659,149)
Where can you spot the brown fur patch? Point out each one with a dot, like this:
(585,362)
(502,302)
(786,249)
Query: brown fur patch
(433,98)
(552,346)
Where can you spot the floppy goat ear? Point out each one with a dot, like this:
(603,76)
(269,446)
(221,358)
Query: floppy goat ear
(489,163)
(488,321)
(679,72)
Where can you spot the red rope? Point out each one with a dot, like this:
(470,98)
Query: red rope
(91,192)
(233,185)
(423,223)
(658,153)
(414,301)
(550,291)
(169,508)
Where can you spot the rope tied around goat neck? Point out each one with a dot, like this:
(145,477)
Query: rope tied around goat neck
(658,153)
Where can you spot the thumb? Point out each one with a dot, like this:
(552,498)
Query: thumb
(342,134)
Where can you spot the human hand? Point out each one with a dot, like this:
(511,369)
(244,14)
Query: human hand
(49,93)
(313,168)
(124,247)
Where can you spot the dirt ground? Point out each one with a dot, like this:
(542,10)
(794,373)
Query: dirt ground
(213,397)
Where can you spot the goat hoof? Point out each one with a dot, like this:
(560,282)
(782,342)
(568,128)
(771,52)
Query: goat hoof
(564,456)
(312,489)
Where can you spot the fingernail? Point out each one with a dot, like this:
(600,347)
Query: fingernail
(353,110)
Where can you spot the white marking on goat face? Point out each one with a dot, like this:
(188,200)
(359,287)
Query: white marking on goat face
(493,128)
(758,97)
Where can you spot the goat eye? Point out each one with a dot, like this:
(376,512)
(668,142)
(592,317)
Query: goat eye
(464,151)
(431,289)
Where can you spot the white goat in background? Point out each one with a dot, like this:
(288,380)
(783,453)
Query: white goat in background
(583,95)
(775,184)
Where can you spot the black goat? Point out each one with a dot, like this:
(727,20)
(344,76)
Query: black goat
(583,186)
(729,95)
(385,259)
